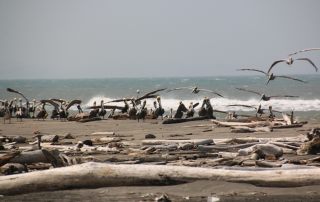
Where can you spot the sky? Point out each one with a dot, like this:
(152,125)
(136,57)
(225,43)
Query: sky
(142,38)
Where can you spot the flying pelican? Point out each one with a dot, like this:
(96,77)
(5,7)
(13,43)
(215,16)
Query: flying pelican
(259,109)
(304,50)
(290,61)
(195,90)
(263,96)
(272,76)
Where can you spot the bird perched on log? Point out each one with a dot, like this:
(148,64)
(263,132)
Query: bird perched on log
(271,76)
(102,111)
(142,113)
(159,111)
(55,111)
(191,111)
(265,97)
(195,90)
(181,108)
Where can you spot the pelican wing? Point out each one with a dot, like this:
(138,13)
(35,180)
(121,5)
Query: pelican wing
(153,92)
(256,70)
(180,88)
(146,97)
(250,91)
(283,96)
(14,91)
(307,59)
(274,63)
(73,102)
(195,105)
(288,77)
(106,107)
(304,50)
(239,105)
(58,100)
(210,91)
(54,104)
(120,100)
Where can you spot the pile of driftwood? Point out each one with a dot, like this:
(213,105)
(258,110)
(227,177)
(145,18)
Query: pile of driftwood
(49,162)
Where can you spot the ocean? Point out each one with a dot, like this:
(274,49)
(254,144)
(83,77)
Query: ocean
(307,105)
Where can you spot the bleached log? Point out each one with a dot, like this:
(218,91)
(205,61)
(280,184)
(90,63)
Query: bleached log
(94,175)
(29,157)
(251,124)
(245,129)
(103,133)
(193,141)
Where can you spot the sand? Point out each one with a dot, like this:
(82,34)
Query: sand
(135,132)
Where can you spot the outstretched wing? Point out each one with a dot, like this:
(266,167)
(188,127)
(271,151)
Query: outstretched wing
(73,102)
(274,63)
(54,104)
(210,91)
(288,77)
(304,50)
(153,92)
(284,96)
(106,107)
(250,91)
(14,91)
(58,100)
(256,70)
(195,105)
(307,59)
(120,100)
(180,88)
(239,105)
(146,97)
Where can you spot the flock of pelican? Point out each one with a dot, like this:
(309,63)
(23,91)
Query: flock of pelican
(135,107)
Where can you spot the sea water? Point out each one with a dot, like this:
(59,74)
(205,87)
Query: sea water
(307,105)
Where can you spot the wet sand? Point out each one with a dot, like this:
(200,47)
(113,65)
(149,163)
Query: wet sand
(132,131)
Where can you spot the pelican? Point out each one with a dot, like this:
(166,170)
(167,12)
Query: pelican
(181,108)
(265,97)
(195,90)
(26,111)
(102,111)
(304,50)
(141,114)
(190,112)
(7,114)
(290,61)
(159,111)
(43,113)
(272,76)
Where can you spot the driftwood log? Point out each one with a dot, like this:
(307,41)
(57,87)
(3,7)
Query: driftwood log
(171,121)
(94,175)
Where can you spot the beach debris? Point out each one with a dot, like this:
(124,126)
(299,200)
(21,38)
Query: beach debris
(149,136)
(13,168)
(162,198)
(313,145)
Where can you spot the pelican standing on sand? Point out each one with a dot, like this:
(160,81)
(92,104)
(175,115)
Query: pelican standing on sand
(159,111)
(102,111)
(142,113)
(271,76)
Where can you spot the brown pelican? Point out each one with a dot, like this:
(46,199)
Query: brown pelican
(304,50)
(195,90)
(7,114)
(43,113)
(290,61)
(55,111)
(102,111)
(272,76)
(26,111)
(190,112)
(159,111)
(259,109)
(265,97)
(141,114)
(180,110)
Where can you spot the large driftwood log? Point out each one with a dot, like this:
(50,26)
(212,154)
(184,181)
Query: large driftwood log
(251,124)
(171,121)
(193,141)
(93,175)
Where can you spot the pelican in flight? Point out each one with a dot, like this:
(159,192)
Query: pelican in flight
(272,76)
(290,61)
(195,90)
(264,97)
(304,50)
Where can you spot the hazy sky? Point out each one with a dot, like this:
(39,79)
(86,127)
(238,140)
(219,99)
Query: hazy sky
(130,38)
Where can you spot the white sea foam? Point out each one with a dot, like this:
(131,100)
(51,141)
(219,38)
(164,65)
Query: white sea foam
(222,103)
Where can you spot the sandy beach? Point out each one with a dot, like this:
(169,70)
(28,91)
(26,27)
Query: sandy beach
(134,132)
